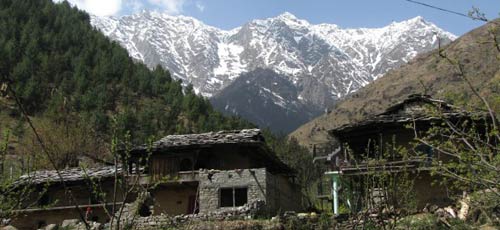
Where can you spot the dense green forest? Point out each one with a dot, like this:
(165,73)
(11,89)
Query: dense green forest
(80,89)
(76,84)
(59,65)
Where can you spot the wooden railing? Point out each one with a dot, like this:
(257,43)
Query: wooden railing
(179,177)
(377,165)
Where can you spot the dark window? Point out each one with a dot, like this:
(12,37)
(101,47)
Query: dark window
(233,197)
(44,199)
(41,223)
(226,197)
(186,165)
(424,150)
(94,198)
(240,196)
(144,211)
(427,151)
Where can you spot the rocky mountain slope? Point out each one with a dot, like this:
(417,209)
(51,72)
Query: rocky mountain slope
(323,62)
(428,73)
(267,99)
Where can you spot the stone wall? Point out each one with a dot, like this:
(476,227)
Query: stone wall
(173,200)
(211,181)
(41,218)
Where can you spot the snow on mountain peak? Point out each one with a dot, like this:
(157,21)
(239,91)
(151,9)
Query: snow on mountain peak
(420,23)
(417,19)
(324,61)
(291,20)
(287,15)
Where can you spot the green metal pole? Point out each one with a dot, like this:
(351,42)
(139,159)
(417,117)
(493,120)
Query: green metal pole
(335,195)
(335,178)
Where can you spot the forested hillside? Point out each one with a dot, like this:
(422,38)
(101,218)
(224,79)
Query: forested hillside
(80,90)
(78,87)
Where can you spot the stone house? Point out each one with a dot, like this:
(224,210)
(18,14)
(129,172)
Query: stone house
(215,171)
(44,199)
(368,147)
(182,174)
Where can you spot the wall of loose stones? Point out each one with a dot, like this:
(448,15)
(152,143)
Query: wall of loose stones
(211,181)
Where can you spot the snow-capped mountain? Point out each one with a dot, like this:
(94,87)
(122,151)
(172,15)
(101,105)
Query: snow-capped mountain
(211,58)
(323,61)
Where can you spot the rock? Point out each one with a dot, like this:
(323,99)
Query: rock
(447,212)
(464,208)
(302,215)
(51,227)
(9,227)
(433,208)
(451,211)
(487,227)
(70,222)
(441,212)
(426,208)
(290,213)
(96,226)
(5,221)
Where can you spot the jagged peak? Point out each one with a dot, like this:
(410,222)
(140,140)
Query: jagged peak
(146,14)
(420,21)
(287,15)
(418,18)
(291,20)
(415,21)
(163,14)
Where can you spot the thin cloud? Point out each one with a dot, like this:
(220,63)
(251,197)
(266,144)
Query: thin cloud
(134,5)
(98,7)
(170,6)
(200,6)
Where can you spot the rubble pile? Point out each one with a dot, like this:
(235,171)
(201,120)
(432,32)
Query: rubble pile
(248,211)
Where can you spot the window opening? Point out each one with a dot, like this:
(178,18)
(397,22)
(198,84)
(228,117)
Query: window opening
(233,197)
(186,165)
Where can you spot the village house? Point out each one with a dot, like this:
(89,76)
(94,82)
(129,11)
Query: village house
(368,147)
(215,171)
(46,200)
(182,174)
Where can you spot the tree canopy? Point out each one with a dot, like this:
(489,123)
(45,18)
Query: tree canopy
(65,70)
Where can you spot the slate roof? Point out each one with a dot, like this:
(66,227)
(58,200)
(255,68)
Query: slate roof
(444,106)
(396,114)
(244,136)
(71,174)
(248,137)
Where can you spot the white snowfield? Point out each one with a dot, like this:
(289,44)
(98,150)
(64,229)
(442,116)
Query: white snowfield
(340,60)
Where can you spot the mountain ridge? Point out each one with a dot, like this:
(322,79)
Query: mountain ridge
(282,43)
(266,99)
(428,73)
(323,62)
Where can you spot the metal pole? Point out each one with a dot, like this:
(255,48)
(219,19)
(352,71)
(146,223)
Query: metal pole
(335,195)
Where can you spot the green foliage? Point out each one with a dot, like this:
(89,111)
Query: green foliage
(380,188)
(299,158)
(63,69)
(427,221)
(485,208)
(325,221)
(470,147)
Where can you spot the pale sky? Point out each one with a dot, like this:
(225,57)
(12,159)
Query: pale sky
(228,14)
